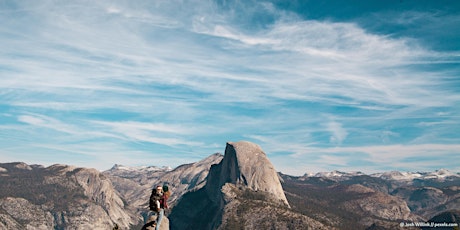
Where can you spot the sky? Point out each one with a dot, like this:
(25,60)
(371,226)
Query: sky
(366,86)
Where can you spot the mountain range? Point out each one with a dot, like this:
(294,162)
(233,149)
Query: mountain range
(238,190)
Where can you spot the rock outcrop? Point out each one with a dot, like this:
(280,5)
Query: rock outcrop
(20,213)
(245,164)
(188,177)
(243,191)
(135,184)
(60,197)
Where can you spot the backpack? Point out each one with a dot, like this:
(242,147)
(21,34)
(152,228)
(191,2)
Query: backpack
(154,199)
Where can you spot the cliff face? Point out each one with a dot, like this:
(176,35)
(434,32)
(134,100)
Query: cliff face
(59,197)
(245,164)
(67,197)
(135,184)
(248,209)
(189,177)
(243,191)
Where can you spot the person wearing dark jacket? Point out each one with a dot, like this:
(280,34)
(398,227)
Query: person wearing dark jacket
(158,202)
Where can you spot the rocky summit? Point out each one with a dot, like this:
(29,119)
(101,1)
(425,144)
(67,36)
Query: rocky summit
(245,164)
(243,191)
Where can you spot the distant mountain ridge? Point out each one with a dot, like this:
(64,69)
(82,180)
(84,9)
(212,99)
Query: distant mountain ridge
(139,169)
(238,189)
(416,196)
(439,175)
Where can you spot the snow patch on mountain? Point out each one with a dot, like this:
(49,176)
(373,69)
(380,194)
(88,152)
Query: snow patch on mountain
(438,175)
(337,173)
(399,176)
(140,168)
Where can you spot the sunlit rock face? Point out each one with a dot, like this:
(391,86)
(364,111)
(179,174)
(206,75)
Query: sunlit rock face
(243,186)
(60,197)
(245,164)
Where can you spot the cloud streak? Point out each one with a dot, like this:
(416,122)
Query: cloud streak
(183,84)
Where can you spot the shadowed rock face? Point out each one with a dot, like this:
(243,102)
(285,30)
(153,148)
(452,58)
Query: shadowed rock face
(245,164)
(245,172)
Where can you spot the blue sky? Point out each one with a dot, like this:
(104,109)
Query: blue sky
(320,85)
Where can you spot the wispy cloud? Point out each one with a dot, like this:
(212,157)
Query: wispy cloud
(151,132)
(338,132)
(378,158)
(185,77)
